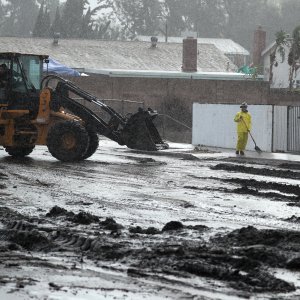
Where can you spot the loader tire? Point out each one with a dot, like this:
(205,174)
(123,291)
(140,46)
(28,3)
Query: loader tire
(93,144)
(19,151)
(68,141)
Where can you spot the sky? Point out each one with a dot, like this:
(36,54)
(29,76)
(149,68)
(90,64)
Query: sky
(93,3)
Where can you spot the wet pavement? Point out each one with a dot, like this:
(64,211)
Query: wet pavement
(183,223)
(223,152)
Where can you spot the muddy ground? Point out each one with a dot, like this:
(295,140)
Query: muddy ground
(132,225)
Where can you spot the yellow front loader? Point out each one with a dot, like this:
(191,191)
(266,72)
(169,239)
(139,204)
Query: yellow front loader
(33,113)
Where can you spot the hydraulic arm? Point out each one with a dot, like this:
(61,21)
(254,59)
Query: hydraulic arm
(136,132)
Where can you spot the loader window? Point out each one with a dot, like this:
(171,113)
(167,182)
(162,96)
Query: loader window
(22,93)
(4,78)
(32,67)
(18,82)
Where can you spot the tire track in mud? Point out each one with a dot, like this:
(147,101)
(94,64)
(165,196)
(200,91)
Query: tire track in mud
(3,185)
(264,189)
(290,166)
(264,185)
(145,252)
(257,171)
(241,258)
(260,188)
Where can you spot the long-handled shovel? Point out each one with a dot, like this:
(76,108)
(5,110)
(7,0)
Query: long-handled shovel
(257,149)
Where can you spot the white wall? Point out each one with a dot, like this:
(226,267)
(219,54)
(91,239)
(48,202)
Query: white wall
(213,125)
(280,128)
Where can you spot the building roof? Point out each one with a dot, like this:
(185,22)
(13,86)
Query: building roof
(268,49)
(226,46)
(271,47)
(177,74)
(16,54)
(102,55)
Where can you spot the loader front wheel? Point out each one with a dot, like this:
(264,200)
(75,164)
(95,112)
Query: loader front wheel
(19,151)
(68,141)
(93,144)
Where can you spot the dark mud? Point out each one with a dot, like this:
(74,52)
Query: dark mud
(273,190)
(80,218)
(293,219)
(57,211)
(245,190)
(242,258)
(140,230)
(3,176)
(290,166)
(173,225)
(264,185)
(111,224)
(257,171)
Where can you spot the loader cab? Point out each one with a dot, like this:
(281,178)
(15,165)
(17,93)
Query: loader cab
(20,78)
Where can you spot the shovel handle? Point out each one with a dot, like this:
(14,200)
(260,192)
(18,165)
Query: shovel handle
(248,130)
(245,125)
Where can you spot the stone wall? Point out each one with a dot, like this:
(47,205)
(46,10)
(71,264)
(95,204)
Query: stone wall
(174,98)
(155,92)
(284,97)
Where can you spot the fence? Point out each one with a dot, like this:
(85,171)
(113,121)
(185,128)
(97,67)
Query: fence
(275,128)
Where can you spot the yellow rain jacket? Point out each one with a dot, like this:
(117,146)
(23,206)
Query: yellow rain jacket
(241,127)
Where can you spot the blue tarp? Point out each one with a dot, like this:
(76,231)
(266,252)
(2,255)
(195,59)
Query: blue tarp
(54,67)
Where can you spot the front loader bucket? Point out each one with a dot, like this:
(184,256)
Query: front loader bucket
(140,133)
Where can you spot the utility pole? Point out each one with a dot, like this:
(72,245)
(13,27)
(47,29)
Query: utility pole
(166,32)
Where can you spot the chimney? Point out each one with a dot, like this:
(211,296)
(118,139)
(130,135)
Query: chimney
(56,37)
(189,55)
(259,44)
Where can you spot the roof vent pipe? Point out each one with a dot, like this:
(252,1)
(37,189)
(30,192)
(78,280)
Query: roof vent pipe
(56,37)
(154,41)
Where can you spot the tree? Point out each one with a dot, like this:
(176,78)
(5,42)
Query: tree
(280,43)
(72,17)
(243,17)
(206,17)
(42,25)
(77,22)
(289,10)
(176,16)
(47,23)
(56,26)
(2,15)
(210,19)
(294,55)
(283,44)
(87,24)
(138,17)
(51,6)
(20,16)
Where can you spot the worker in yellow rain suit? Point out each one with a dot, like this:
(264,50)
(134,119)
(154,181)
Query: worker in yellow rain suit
(243,119)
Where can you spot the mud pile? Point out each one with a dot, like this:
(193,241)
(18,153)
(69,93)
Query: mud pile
(243,258)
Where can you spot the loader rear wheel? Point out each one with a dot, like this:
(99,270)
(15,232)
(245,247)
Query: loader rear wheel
(93,144)
(19,151)
(68,141)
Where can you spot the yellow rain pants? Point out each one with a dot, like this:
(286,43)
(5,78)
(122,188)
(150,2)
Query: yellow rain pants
(243,120)
(242,141)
